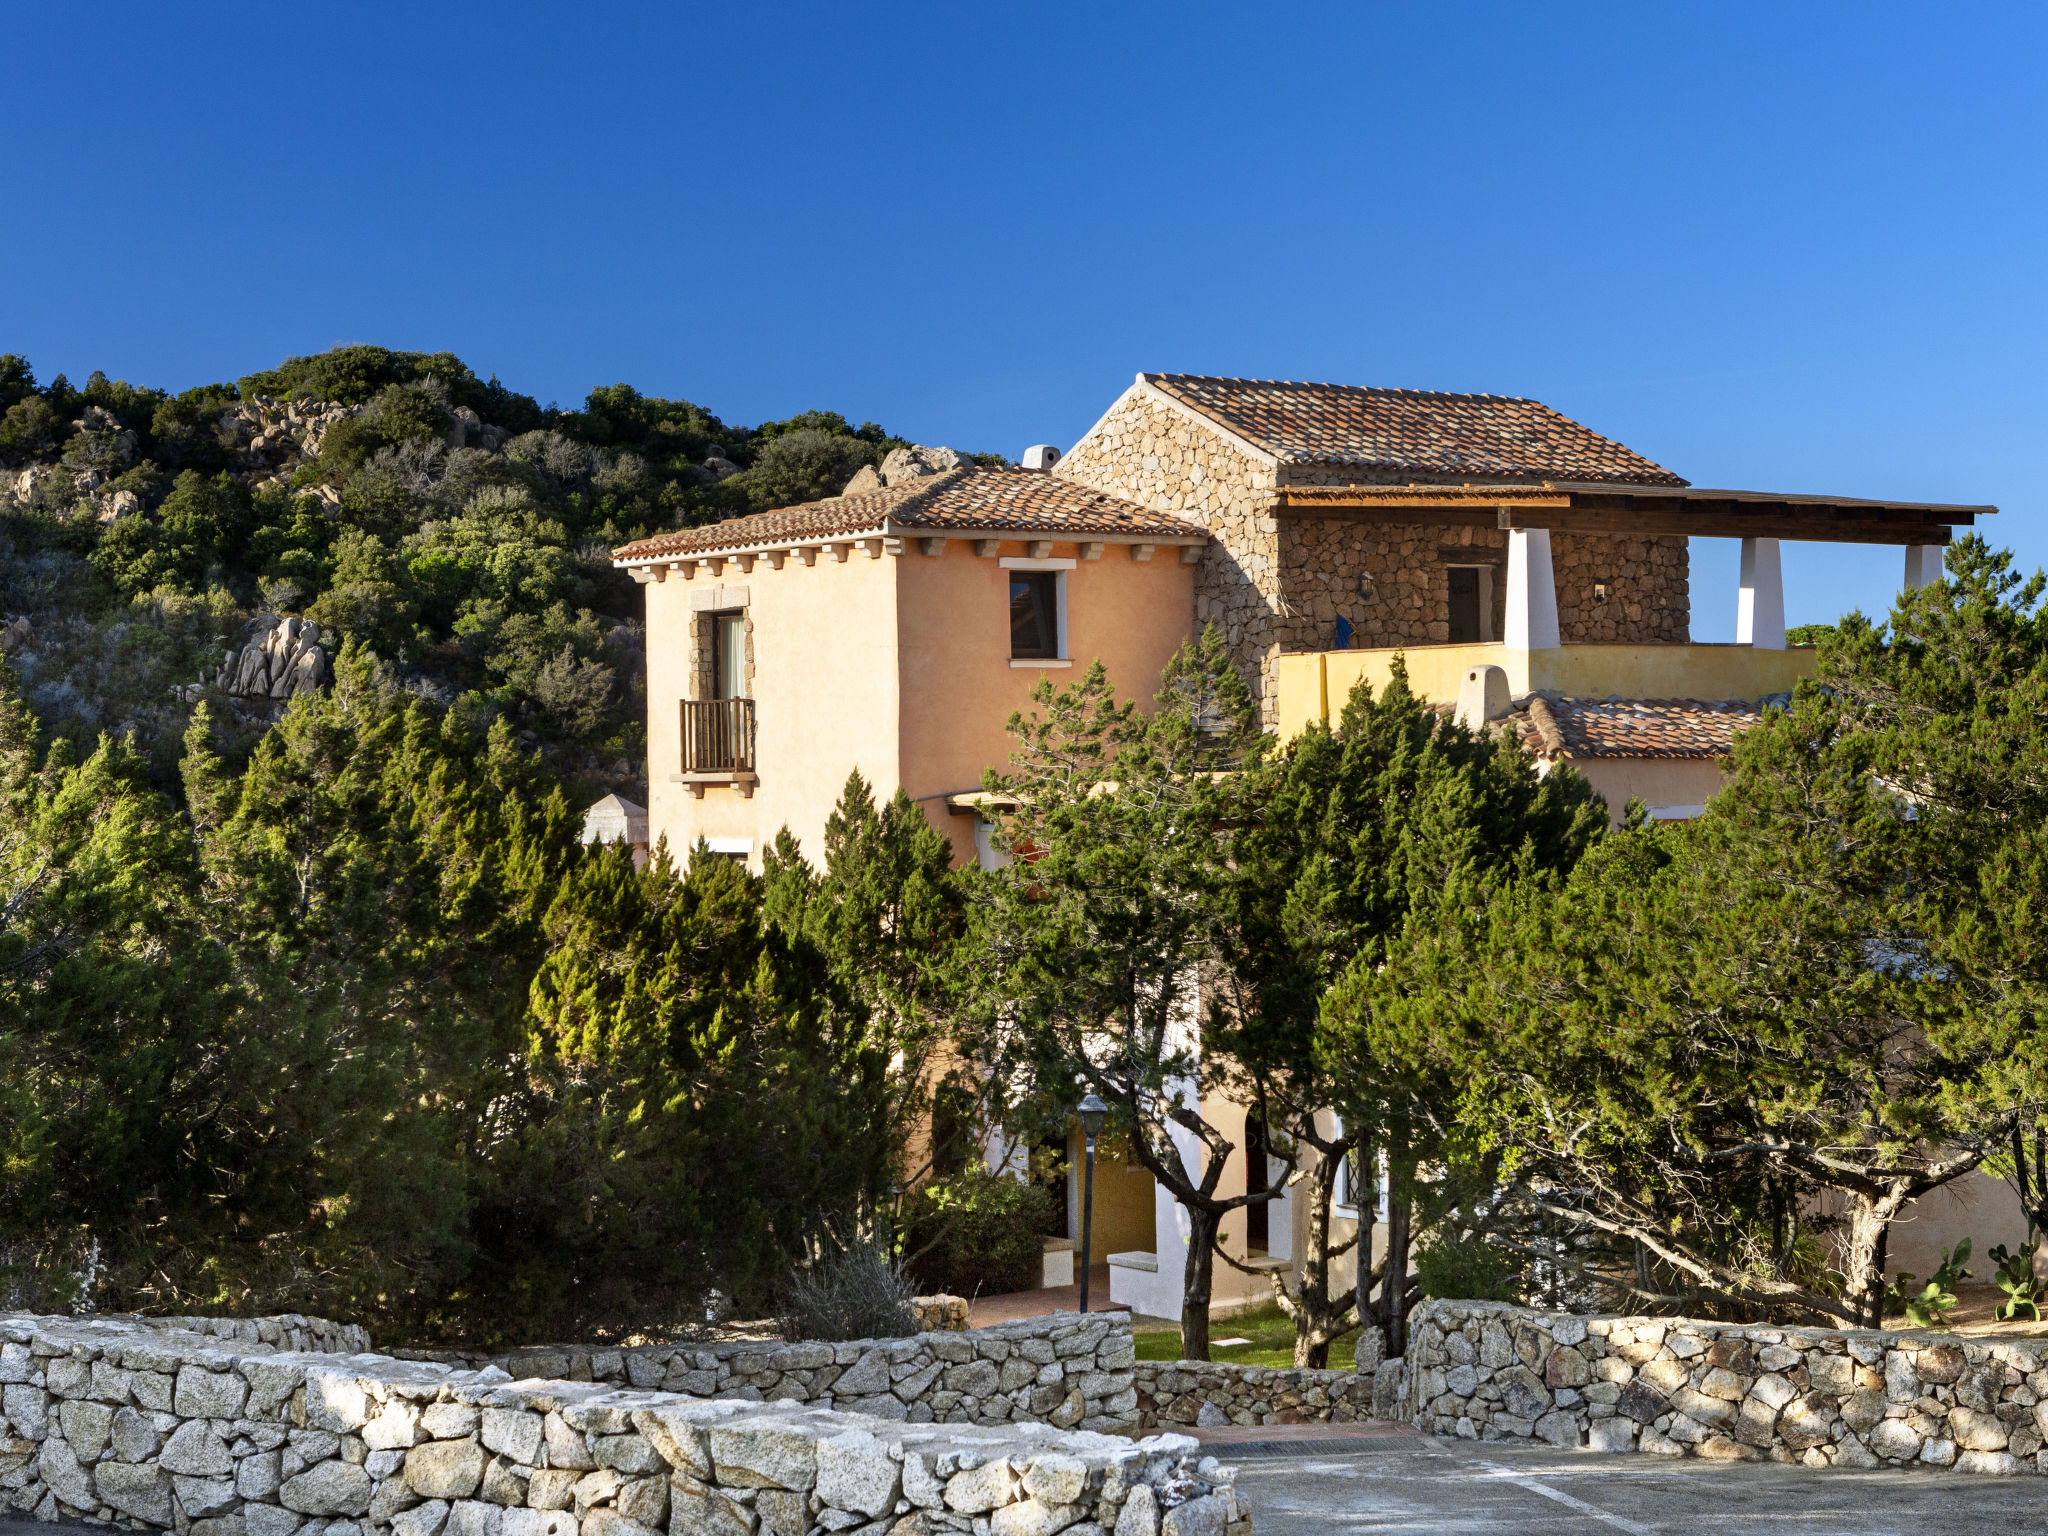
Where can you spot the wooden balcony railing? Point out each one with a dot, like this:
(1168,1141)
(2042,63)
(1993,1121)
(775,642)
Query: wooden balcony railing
(718,736)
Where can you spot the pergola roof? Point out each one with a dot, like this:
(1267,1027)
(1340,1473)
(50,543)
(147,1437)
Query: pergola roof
(1684,511)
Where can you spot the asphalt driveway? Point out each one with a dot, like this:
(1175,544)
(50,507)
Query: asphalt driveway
(1434,1487)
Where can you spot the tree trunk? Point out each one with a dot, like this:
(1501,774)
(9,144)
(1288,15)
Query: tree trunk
(1394,1285)
(1863,1259)
(1365,1196)
(1315,1319)
(1195,1282)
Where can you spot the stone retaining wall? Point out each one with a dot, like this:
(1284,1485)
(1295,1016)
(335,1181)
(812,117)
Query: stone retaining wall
(286,1330)
(1213,1393)
(1072,1371)
(161,1428)
(1678,1387)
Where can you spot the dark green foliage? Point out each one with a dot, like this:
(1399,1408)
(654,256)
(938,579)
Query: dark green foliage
(1712,1042)
(457,527)
(977,1234)
(1468,1269)
(362,1030)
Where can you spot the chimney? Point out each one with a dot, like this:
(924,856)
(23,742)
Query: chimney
(1041,456)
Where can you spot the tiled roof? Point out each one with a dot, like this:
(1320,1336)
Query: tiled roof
(1670,728)
(1411,431)
(968,500)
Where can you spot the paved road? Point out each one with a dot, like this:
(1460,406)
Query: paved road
(1432,1487)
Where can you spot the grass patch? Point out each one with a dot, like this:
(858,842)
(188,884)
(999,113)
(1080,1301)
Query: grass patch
(1270,1331)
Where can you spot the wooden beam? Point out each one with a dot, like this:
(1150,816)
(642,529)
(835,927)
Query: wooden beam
(1464,516)
(1708,525)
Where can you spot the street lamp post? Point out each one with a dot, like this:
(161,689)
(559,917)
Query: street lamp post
(1093,1112)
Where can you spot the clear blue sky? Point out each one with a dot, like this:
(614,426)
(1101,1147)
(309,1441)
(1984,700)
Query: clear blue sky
(1795,247)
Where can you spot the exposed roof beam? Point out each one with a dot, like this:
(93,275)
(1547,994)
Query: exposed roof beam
(1629,509)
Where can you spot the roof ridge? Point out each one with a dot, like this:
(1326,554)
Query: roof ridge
(1356,389)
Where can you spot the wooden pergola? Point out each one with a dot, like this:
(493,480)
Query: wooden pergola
(1607,507)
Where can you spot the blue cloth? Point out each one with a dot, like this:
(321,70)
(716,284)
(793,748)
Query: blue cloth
(1343,634)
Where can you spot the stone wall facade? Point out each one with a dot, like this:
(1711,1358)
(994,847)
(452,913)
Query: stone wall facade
(1723,1392)
(1277,583)
(164,1429)
(1070,1370)
(1149,452)
(1209,1393)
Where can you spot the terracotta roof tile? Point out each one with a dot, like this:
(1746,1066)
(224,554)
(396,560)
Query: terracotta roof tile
(968,500)
(1672,728)
(1411,431)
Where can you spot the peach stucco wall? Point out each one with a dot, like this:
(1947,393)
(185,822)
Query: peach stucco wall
(1656,782)
(959,687)
(898,666)
(825,695)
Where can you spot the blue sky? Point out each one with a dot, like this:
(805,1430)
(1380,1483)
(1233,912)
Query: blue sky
(1797,247)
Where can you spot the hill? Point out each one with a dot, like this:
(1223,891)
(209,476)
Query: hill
(228,540)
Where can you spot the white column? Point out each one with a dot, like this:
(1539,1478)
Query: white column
(1532,592)
(1760,608)
(1923,565)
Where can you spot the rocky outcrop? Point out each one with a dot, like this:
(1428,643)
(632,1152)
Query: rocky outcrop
(903,465)
(276,658)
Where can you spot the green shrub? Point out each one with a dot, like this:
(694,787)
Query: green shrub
(1468,1269)
(980,1234)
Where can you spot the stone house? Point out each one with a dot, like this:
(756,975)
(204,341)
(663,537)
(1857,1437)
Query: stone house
(1532,575)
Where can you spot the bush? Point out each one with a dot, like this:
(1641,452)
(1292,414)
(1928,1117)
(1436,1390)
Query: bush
(978,1234)
(861,1293)
(1468,1269)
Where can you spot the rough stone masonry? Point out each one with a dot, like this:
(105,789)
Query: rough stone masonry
(1857,1398)
(1069,1370)
(164,1428)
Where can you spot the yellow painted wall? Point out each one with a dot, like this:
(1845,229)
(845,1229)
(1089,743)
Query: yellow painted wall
(958,687)
(1123,1203)
(825,699)
(1314,685)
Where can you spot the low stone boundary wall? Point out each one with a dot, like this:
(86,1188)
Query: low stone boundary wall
(286,1330)
(1214,1392)
(115,1421)
(1071,1370)
(1678,1387)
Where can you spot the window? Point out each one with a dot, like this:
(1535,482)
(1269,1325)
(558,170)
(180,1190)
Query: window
(729,655)
(1034,615)
(1464,604)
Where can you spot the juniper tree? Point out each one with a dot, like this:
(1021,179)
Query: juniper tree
(1356,828)
(1822,994)
(1091,946)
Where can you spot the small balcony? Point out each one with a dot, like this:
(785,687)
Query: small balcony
(718,744)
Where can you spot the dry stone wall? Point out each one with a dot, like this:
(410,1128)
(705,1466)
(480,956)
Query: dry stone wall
(1208,1393)
(285,1330)
(160,1428)
(1722,1392)
(1071,1370)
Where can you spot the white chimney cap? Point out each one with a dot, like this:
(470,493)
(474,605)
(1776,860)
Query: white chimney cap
(1041,456)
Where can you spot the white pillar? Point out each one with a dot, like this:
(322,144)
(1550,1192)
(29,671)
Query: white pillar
(1760,607)
(1923,565)
(1532,592)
